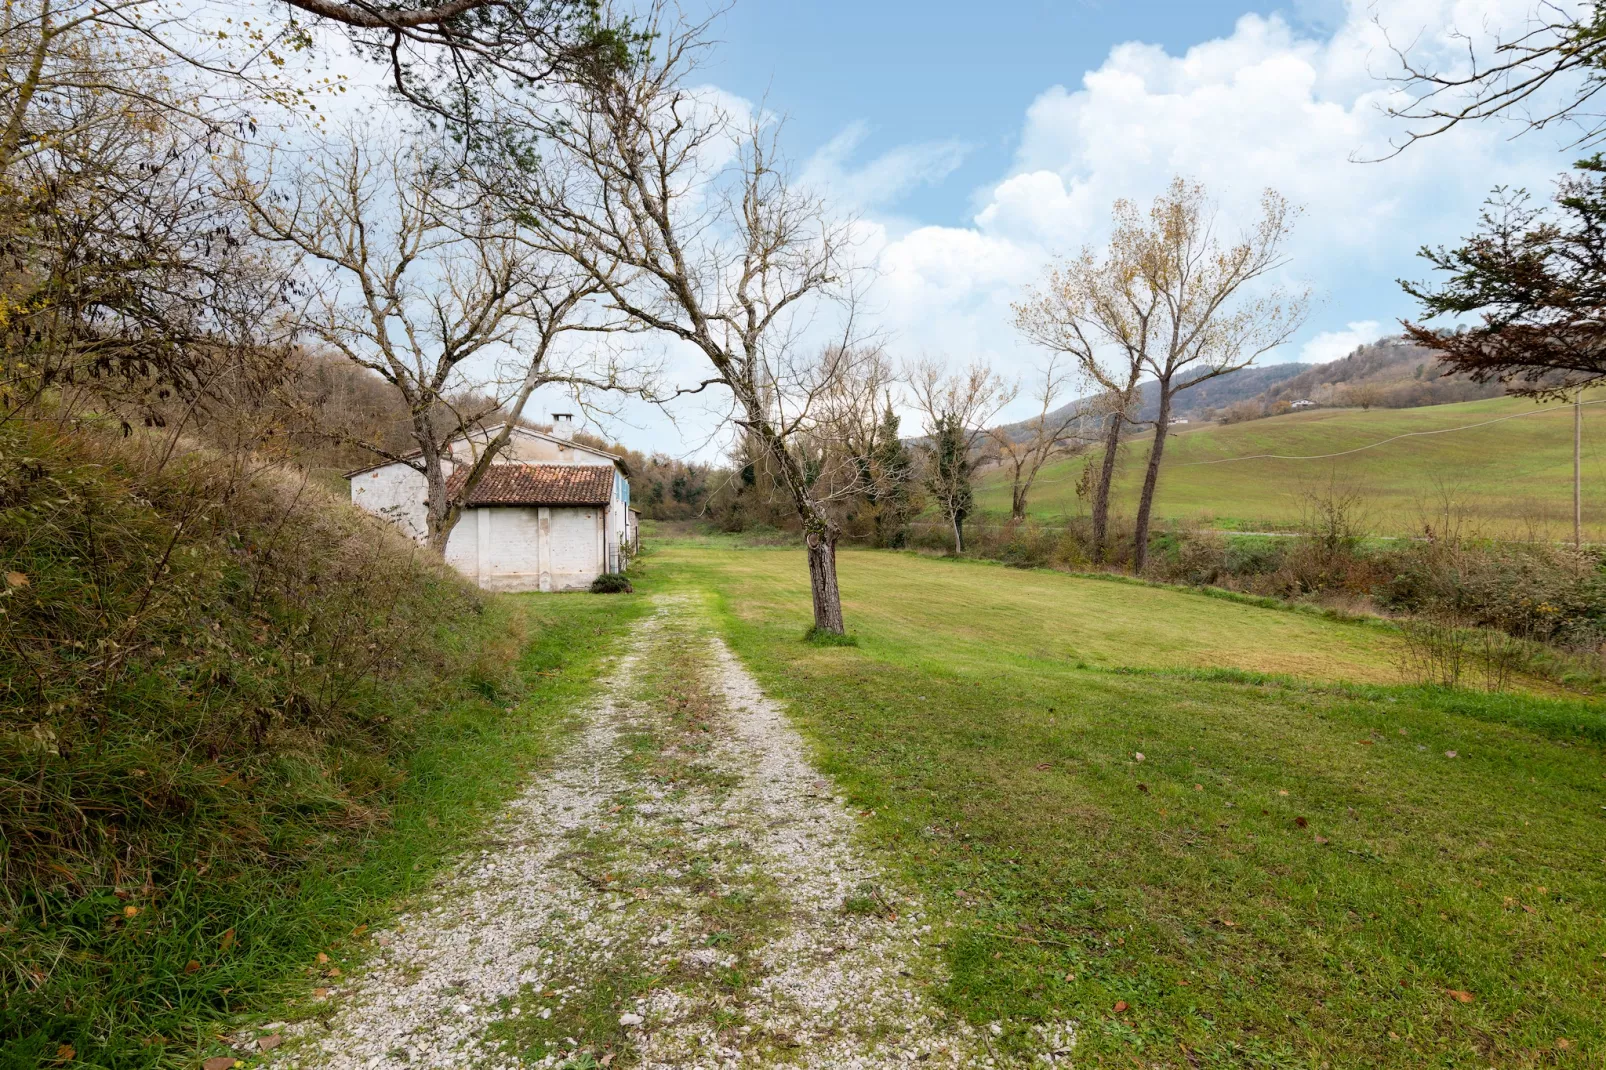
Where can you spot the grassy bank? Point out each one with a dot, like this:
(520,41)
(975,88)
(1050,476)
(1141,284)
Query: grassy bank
(1506,479)
(237,719)
(1298,871)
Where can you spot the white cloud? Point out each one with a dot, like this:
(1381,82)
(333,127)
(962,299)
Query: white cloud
(883,179)
(1334,345)
(1261,107)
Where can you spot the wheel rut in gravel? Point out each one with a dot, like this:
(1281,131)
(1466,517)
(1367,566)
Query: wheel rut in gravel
(682,890)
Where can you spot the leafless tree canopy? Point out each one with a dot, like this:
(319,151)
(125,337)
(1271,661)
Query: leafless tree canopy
(717,249)
(1547,72)
(1053,431)
(416,277)
(1171,299)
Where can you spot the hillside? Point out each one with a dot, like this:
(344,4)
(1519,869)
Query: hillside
(1499,478)
(1193,403)
(237,716)
(1389,373)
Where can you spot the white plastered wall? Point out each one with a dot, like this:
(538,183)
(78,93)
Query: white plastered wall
(529,548)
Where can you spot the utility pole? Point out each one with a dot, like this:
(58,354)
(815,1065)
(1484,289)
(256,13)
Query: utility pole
(1578,479)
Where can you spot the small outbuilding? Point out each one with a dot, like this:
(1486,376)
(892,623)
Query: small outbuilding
(550,514)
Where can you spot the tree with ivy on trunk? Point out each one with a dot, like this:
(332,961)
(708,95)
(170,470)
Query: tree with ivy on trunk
(716,248)
(957,410)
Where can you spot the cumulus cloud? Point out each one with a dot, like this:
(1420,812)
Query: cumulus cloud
(1263,106)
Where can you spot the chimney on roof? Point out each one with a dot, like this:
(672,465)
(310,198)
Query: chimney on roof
(563,425)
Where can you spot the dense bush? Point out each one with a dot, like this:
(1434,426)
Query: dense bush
(208,679)
(611,583)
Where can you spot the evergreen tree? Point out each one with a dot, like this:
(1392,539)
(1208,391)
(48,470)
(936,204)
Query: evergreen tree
(948,475)
(890,471)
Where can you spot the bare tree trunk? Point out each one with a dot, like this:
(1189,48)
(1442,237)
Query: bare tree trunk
(822,582)
(1017,499)
(1101,491)
(1151,477)
(959,533)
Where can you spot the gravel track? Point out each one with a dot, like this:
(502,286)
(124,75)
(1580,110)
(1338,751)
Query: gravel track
(682,890)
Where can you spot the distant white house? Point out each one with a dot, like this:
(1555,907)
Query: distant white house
(1302,403)
(550,514)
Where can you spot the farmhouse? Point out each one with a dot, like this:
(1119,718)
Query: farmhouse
(550,514)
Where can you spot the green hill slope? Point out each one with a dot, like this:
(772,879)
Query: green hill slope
(1509,474)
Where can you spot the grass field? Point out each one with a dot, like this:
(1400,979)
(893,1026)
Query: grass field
(1499,479)
(1297,872)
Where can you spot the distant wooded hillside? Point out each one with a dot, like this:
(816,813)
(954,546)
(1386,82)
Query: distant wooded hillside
(1390,373)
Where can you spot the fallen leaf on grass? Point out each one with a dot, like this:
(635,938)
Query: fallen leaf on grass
(66,1052)
(191,966)
(320,993)
(1529,909)
(1138,757)
(1563,1043)
(1365,742)
(268,1043)
(129,912)
(1449,754)
(1321,840)
(16,579)
(1043,767)
(220,1062)
(1459,995)
(322,958)
(1120,1005)
(1144,788)
(1301,822)
(228,939)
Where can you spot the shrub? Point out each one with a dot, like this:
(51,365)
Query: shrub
(611,583)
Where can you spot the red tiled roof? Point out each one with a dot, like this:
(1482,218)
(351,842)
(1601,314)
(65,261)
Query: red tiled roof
(538,484)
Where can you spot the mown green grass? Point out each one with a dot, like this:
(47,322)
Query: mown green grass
(1298,873)
(1500,480)
(123,991)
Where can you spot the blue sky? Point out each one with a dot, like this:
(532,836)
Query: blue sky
(946,69)
(977,142)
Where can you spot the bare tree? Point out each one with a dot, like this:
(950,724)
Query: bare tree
(1207,324)
(124,279)
(1168,299)
(1023,449)
(720,251)
(957,410)
(1546,72)
(1086,309)
(422,282)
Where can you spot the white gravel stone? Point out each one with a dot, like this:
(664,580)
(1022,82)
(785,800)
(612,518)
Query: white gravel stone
(825,988)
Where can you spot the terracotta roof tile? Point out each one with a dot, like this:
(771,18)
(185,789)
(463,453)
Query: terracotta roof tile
(539,484)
